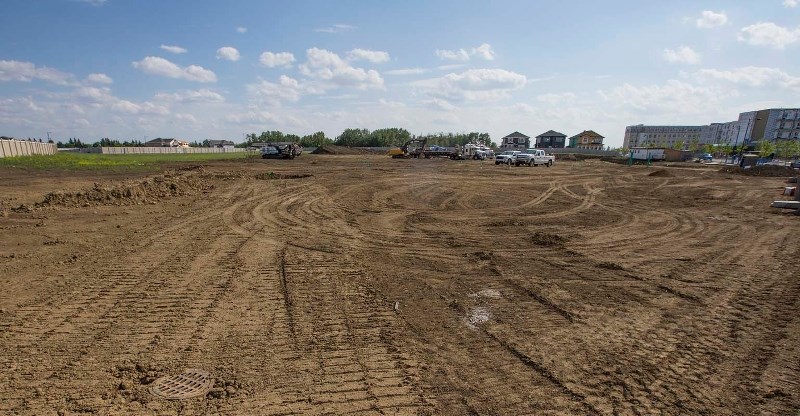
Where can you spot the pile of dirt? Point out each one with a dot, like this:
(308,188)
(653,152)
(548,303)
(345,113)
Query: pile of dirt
(272,175)
(566,157)
(330,149)
(764,170)
(132,193)
(661,173)
(548,240)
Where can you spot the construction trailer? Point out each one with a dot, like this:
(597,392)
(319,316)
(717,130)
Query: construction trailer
(648,153)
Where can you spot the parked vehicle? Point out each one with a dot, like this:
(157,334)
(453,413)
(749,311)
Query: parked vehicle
(474,151)
(706,157)
(282,150)
(795,164)
(534,157)
(508,157)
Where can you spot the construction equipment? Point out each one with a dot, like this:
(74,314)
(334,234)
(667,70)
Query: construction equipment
(281,150)
(416,148)
(411,149)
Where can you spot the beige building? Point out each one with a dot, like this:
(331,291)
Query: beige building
(662,136)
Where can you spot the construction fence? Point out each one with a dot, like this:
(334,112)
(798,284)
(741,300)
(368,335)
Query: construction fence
(11,148)
(160,150)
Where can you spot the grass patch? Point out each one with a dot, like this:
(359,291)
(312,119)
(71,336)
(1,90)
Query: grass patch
(97,161)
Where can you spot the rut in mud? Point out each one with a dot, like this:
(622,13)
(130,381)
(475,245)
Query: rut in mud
(366,285)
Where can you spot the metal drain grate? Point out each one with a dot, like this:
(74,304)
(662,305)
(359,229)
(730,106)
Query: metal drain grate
(191,383)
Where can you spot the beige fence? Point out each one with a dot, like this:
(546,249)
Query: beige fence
(156,150)
(10,148)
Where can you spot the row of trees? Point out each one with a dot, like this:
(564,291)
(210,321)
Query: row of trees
(365,138)
(310,140)
(784,149)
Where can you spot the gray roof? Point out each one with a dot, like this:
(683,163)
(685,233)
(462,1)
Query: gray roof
(517,134)
(551,133)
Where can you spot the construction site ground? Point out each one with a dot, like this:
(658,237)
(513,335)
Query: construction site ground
(365,285)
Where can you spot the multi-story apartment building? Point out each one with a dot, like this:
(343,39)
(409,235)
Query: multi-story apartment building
(752,126)
(662,136)
(770,124)
(721,133)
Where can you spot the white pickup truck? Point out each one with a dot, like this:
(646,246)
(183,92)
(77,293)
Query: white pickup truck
(506,157)
(534,157)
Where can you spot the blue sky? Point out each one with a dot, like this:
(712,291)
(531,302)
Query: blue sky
(204,70)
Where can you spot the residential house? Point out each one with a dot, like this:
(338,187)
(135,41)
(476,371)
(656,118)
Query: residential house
(586,139)
(226,144)
(159,142)
(515,141)
(552,139)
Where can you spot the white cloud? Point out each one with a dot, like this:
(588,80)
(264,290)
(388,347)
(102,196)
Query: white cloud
(450,67)
(452,55)
(440,104)
(367,55)
(241,29)
(710,20)
(332,71)
(407,71)
(27,72)
(173,49)
(483,51)
(127,107)
(159,66)
(337,28)
(474,84)
(228,53)
(99,79)
(391,104)
(556,99)
(286,89)
(769,34)
(674,96)
(751,76)
(258,117)
(272,60)
(790,3)
(683,54)
(192,96)
(185,117)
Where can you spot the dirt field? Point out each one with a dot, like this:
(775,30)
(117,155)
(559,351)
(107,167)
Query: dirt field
(400,287)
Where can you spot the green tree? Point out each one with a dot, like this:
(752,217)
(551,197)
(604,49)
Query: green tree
(766,148)
(316,139)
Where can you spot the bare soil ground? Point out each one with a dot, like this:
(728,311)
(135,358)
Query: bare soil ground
(366,285)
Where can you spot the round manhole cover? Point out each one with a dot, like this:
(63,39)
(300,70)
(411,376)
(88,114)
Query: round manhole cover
(191,383)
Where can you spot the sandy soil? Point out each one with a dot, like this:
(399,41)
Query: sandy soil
(400,287)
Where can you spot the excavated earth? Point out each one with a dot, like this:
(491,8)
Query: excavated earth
(366,285)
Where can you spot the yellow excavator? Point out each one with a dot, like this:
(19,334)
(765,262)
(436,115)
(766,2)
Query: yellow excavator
(411,149)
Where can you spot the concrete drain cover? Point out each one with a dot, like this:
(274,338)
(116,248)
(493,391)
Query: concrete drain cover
(191,383)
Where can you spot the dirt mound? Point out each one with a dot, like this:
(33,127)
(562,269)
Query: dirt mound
(133,193)
(548,240)
(330,149)
(567,157)
(272,175)
(661,173)
(765,170)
